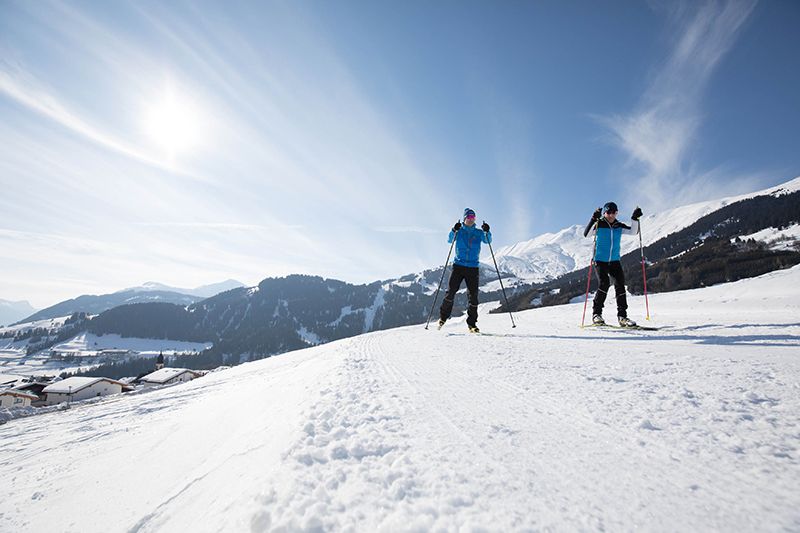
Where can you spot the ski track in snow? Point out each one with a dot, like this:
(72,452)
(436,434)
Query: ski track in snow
(543,427)
(527,458)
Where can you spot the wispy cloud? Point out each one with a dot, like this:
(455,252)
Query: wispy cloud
(219,226)
(405,229)
(658,136)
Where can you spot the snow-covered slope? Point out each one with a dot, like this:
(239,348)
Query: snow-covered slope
(551,255)
(775,238)
(89,344)
(543,427)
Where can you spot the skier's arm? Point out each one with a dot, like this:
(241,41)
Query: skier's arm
(595,218)
(633,230)
(453,231)
(589,227)
(487,235)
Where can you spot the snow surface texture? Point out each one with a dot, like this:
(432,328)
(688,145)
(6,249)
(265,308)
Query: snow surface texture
(551,255)
(695,427)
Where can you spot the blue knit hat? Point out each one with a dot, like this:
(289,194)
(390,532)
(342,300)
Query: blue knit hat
(468,212)
(610,207)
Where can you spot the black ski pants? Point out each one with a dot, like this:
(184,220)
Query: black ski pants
(470,275)
(614,270)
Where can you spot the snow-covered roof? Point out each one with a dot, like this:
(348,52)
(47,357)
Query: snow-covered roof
(19,393)
(8,378)
(166,374)
(74,384)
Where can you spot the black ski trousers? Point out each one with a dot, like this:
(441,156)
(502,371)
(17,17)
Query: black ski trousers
(604,270)
(470,275)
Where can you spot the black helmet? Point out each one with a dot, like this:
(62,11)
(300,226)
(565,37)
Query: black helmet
(610,207)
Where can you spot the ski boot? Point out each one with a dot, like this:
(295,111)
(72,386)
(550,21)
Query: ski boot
(626,322)
(441,323)
(474,329)
(597,320)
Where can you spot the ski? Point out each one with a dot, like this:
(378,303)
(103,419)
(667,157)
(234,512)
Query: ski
(611,326)
(478,334)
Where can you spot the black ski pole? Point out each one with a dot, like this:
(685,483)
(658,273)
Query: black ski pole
(513,325)
(444,269)
(589,277)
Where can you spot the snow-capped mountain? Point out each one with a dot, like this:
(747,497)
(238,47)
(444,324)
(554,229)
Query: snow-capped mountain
(95,304)
(551,255)
(204,291)
(689,428)
(148,292)
(10,312)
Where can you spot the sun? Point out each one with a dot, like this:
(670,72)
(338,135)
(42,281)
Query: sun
(174,123)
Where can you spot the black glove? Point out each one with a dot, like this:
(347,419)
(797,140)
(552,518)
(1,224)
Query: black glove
(485,226)
(596,214)
(457,226)
(636,213)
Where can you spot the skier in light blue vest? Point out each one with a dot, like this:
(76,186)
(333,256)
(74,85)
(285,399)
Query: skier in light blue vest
(607,260)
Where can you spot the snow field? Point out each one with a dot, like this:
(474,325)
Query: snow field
(89,343)
(546,426)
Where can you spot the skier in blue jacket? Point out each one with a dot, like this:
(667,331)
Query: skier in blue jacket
(606,259)
(465,267)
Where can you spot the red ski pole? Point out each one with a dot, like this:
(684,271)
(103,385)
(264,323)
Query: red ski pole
(644,275)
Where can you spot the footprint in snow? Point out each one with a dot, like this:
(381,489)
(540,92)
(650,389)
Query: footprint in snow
(646,424)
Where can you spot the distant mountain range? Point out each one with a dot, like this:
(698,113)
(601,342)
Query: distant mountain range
(204,291)
(11,312)
(149,292)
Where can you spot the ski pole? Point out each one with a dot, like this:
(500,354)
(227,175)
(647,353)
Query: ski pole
(513,325)
(644,276)
(444,269)
(589,278)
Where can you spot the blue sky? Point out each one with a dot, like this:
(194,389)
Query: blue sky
(188,143)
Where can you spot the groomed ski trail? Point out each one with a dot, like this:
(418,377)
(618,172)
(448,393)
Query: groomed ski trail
(447,432)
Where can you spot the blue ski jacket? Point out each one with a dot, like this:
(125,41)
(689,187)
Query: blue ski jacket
(468,244)
(609,237)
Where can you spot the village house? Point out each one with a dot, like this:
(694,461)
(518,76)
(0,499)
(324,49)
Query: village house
(77,388)
(16,398)
(36,388)
(168,376)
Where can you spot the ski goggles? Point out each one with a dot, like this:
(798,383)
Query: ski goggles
(469,217)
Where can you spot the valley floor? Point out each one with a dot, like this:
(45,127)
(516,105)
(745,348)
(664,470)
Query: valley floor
(546,426)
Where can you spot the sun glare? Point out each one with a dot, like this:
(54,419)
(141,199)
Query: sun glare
(174,123)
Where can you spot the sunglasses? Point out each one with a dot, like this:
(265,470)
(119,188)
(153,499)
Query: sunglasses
(470,217)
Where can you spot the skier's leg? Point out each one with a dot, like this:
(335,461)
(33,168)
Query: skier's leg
(472,288)
(601,269)
(455,282)
(615,269)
